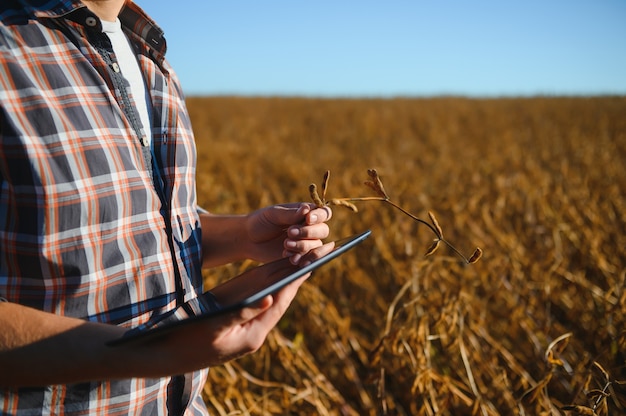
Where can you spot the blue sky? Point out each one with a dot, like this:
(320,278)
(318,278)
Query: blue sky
(395,48)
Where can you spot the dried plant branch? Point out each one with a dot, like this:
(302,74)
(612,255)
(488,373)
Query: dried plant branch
(375,183)
(597,397)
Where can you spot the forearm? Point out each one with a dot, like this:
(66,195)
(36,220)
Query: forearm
(39,348)
(224,239)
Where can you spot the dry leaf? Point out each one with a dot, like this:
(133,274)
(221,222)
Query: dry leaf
(595,393)
(433,247)
(344,203)
(436,224)
(371,185)
(376,184)
(325,184)
(604,372)
(478,253)
(581,410)
(553,361)
(315,196)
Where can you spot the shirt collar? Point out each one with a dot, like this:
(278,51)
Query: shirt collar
(138,22)
(132,17)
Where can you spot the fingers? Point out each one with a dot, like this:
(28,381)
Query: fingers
(313,227)
(316,215)
(245,331)
(317,252)
(302,239)
(307,234)
(304,223)
(295,250)
(235,334)
(311,250)
(253,311)
(297,212)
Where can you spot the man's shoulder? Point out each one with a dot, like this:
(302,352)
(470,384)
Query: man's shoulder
(13,12)
(20,12)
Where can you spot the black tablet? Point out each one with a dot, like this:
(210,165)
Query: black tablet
(260,281)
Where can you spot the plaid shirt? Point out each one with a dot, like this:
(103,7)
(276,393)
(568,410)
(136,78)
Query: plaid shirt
(90,227)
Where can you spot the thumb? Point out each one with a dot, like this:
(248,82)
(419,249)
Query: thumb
(245,314)
(285,215)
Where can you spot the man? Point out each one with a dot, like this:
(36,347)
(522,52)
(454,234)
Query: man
(99,227)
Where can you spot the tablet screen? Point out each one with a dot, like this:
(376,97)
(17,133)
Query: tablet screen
(232,295)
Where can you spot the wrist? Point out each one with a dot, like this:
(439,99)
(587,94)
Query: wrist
(224,239)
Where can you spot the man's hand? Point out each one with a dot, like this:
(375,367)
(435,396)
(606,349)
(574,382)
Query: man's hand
(223,338)
(289,230)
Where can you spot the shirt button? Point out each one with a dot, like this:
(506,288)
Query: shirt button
(115,66)
(91,21)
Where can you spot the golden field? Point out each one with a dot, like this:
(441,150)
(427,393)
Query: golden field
(536,327)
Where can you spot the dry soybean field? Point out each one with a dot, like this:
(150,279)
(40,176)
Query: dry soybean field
(536,327)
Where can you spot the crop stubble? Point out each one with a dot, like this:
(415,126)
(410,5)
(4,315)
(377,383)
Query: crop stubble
(535,327)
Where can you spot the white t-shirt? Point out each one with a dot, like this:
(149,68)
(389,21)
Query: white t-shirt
(130,69)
